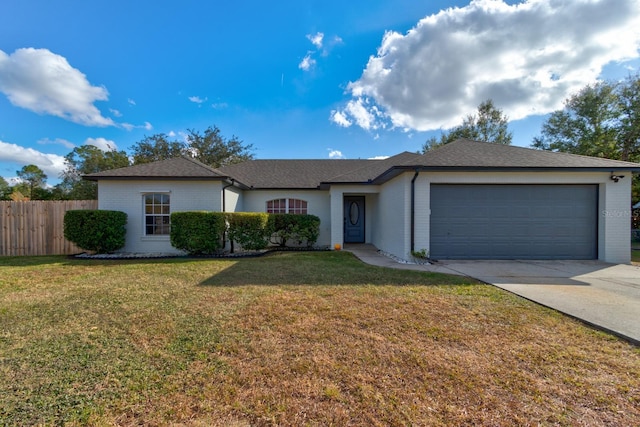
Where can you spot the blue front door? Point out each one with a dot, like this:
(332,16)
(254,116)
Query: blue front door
(354,219)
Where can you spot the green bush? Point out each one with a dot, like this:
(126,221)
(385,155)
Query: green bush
(198,233)
(296,228)
(96,230)
(249,230)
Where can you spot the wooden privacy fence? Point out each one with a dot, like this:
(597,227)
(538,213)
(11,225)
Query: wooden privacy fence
(37,227)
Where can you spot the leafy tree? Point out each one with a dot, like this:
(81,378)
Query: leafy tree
(33,177)
(601,120)
(488,125)
(587,125)
(212,149)
(84,160)
(209,147)
(628,137)
(5,190)
(156,147)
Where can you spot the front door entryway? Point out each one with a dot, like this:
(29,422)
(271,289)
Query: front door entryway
(354,219)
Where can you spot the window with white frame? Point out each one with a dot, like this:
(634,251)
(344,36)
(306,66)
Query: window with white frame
(157,214)
(293,206)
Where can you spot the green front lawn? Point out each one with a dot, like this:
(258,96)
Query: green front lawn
(294,339)
(635,255)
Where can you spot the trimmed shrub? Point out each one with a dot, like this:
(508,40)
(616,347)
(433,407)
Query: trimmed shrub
(198,233)
(96,230)
(250,230)
(297,229)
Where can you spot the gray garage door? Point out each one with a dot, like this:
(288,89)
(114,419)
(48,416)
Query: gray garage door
(514,221)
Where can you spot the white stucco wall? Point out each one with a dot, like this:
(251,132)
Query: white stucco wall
(127,196)
(337,194)
(318,204)
(393,228)
(613,210)
(232,199)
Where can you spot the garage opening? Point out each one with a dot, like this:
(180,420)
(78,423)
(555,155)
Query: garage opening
(514,221)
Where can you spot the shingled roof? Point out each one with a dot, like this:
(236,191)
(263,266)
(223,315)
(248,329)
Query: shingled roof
(460,155)
(175,168)
(464,153)
(306,174)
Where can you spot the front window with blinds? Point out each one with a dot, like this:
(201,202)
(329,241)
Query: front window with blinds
(157,214)
(293,206)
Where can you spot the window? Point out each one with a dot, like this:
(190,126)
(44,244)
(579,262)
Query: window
(293,206)
(277,206)
(156,214)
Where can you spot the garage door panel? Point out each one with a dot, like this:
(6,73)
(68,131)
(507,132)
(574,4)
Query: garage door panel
(514,221)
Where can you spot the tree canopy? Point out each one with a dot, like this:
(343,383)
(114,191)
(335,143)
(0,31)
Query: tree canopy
(32,178)
(488,125)
(209,147)
(84,160)
(601,120)
(5,189)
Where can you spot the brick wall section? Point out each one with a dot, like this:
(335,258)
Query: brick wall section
(318,203)
(614,213)
(614,216)
(127,196)
(393,225)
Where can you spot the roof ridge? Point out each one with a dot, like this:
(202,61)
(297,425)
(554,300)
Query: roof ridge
(198,163)
(537,150)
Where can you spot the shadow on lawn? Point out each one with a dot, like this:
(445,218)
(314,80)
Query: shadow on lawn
(325,268)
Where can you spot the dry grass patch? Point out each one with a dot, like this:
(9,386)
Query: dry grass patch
(294,339)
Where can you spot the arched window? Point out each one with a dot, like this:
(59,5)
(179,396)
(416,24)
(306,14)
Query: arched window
(293,206)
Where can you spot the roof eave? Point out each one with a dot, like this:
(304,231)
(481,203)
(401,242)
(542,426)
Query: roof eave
(154,178)
(398,170)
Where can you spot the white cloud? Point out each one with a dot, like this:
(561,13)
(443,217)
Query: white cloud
(60,141)
(219,105)
(101,143)
(340,118)
(197,99)
(51,164)
(129,126)
(131,101)
(115,112)
(43,82)
(335,154)
(378,158)
(171,134)
(528,58)
(307,62)
(316,39)
(362,112)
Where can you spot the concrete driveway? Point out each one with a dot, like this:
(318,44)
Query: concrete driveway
(604,295)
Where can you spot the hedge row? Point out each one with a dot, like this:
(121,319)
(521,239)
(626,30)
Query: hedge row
(96,230)
(196,232)
(203,232)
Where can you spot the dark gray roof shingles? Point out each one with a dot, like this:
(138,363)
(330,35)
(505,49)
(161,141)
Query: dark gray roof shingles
(462,154)
(177,167)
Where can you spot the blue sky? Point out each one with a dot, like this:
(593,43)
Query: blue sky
(297,79)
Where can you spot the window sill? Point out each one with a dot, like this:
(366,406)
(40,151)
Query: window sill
(160,238)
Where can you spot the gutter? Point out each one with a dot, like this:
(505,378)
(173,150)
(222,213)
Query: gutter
(224,209)
(413,210)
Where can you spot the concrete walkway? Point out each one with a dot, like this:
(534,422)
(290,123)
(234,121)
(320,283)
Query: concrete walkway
(604,295)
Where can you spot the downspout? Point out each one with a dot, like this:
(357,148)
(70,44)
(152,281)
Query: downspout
(224,209)
(413,210)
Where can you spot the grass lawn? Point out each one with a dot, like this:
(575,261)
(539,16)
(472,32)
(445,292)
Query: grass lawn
(294,339)
(635,255)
